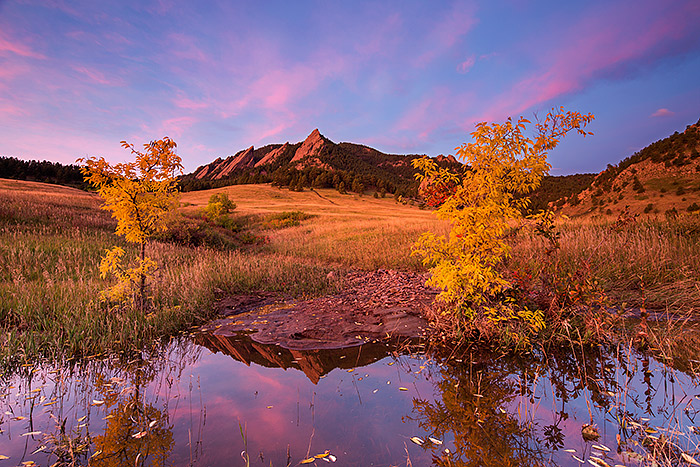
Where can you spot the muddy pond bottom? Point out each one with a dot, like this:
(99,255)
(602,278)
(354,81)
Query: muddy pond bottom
(232,401)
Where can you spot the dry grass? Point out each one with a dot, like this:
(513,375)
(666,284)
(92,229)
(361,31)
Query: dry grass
(653,264)
(52,239)
(348,230)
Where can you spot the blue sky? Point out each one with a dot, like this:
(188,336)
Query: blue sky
(77,77)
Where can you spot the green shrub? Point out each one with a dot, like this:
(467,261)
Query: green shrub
(284,219)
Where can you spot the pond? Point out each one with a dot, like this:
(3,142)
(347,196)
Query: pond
(211,400)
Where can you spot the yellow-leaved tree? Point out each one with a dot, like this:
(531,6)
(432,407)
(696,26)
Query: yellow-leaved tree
(139,194)
(502,164)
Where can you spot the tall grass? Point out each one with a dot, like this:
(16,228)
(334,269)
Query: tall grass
(653,264)
(51,242)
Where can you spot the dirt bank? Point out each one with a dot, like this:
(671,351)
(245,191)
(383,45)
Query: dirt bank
(371,306)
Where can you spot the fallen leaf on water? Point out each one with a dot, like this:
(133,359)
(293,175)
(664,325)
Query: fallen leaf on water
(19,417)
(2,457)
(41,448)
(598,462)
(269,406)
(600,447)
(435,441)
(403,389)
(96,402)
(32,433)
(97,453)
(374,392)
(150,425)
(417,440)
(689,459)
(308,461)
(139,435)
(577,458)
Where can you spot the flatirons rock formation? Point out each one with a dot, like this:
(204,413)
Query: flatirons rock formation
(316,153)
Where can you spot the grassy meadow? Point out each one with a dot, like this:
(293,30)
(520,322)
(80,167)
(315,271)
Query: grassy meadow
(52,239)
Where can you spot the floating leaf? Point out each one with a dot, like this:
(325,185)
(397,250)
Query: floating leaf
(308,461)
(598,462)
(2,457)
(417,440)
(150,425)
(39,449)
(31,433)
(403,389)
(19,417)
(435,441)
(95,402)
(578,459)
(139,435)
(321,456)
(689,459)
(600,447)
(569,450)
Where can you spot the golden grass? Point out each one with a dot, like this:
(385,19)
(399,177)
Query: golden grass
(653,264)
(349,230)
(52,239)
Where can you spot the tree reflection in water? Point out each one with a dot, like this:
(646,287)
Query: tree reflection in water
(490,406)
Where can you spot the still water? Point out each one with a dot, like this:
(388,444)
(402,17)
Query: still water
(228,401)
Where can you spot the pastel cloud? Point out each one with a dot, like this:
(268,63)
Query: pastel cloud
(8,46)
(98,77)
(467,64)
(447,32)
(663,112)
(600,47)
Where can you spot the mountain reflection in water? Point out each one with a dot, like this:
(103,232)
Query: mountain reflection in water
(204,403)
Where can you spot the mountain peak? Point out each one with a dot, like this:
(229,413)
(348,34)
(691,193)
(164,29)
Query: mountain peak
(311,146)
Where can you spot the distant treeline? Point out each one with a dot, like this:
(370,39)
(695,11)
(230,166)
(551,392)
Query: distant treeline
(41,171)
(555,188)
(311,177)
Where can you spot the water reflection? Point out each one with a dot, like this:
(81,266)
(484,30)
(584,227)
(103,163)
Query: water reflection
(562,408)
(314,363)
(205,401)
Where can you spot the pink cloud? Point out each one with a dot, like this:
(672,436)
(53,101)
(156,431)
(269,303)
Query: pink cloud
(449,30)
(7,45)
(185,47)
(176,127)
(663,112)
(96,76)
(598,47)
(466,65)
(438,111)
(184,102)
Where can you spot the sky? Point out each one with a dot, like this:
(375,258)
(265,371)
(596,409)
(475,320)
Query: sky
(405,77)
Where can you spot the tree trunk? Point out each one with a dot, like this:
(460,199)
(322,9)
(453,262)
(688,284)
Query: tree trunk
(142,288)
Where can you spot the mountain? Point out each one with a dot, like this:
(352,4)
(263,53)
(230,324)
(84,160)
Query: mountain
(661,179)
(315,162)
